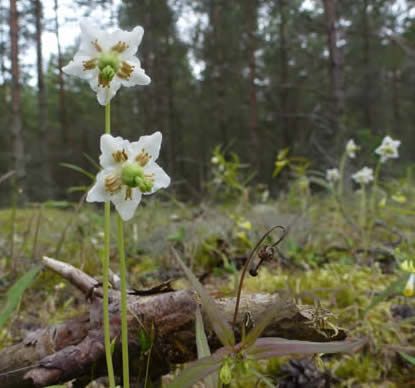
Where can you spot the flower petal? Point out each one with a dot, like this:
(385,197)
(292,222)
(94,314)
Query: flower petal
(150,143)
(138,76)
(109,145)
(126,207)
(161,179)
(98,193)
(76,67)
(91,39)
(131,38)
(104,95)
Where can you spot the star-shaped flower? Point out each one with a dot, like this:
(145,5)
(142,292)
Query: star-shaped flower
(332,175)
(129,170)
(107,60)
(363,176)
(351,148)
(388,149)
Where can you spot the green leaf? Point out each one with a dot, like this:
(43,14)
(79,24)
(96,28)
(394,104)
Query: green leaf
(78,169)
(178,236)
(408,358)
(256,331)
(396,286)
(200,369)
(265,348)
(221,327)
(203,349)
(92,161)
(15,292)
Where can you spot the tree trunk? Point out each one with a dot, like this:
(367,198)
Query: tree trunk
(283,87)
(62,107)
(45,180)
(255,154)
(75,349)
(336,62)
(367,106)
(16,123)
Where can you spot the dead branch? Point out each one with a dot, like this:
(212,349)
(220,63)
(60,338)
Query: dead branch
(75,349)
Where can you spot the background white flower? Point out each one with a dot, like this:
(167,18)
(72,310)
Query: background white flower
(351,148)
(388,149)
(363,176)
(107,60)
(332,175)
(129,170)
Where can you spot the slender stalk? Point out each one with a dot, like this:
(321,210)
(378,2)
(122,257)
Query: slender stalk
(105,270)
(124,323)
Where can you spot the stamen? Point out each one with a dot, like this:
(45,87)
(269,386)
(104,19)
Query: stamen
(142,158)
(96,45)
(105,83)
(125,71)
(89,65)
(113,184)
(120,156)
(128,193)
(120,47)
(150,177)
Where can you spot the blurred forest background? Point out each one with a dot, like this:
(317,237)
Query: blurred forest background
(253,76)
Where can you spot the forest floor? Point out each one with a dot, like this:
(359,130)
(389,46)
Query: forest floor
(321,264)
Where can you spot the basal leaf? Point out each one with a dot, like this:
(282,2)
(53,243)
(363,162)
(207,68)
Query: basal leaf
(199,369)
(15,292)
(221,327)
(265,348)
(203,349)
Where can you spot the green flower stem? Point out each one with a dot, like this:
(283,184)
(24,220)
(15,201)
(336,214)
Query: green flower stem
(373,194)
(105,270)
(363,220)
(341,173)
(124,323)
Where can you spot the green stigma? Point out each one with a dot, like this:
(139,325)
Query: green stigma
(111,60)
(132,175)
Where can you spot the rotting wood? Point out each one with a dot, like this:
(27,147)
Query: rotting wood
(75,349)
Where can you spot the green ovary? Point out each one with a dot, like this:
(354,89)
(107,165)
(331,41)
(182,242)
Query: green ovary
(108,64)
(132,175)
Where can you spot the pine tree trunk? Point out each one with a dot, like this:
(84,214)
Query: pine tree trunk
(255,159)
(367,106)
(45,180)
(16,122)
(62,107)
(283,87)
(336,68)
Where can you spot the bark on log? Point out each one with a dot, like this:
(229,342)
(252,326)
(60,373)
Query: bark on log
(75,349)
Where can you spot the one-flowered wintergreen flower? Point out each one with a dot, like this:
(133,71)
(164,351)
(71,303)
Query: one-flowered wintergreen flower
(388,149)
(363,176)
(107,60)
(332,175)
(351,148)
(129,170)
(409,266)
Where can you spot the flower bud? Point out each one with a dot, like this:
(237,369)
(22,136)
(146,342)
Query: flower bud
(225,373)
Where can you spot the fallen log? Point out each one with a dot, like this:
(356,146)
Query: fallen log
(75,349)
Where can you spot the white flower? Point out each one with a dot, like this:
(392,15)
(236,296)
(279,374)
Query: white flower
(107,60)
(351,148)
(388,149)
(363,176)
(332,175)
(129,170)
